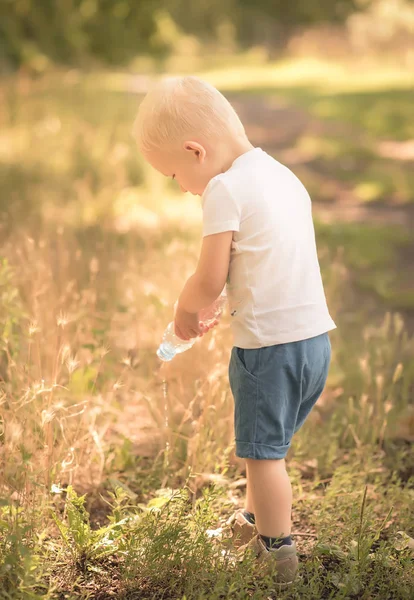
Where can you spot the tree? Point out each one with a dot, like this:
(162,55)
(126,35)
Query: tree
(274,21)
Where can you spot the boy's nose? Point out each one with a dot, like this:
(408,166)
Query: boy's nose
(183,189)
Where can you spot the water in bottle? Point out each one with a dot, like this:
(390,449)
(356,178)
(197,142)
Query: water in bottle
(172,345)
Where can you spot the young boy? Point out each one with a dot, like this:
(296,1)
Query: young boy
(258,236)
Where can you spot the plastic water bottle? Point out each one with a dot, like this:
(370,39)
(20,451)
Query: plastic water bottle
(172,345)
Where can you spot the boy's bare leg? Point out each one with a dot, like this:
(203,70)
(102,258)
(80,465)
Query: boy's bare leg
(270,492)
(249,506)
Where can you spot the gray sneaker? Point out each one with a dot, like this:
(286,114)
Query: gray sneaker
(281,562)
(243,530)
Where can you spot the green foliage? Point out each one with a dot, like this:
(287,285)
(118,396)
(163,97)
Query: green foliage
(66,31)
(301,12)
(84,543)
(276,20)
(82,380)
(35,32)
(165,551)
(19,560)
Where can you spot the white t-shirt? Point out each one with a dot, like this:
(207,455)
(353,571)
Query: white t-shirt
(274,285)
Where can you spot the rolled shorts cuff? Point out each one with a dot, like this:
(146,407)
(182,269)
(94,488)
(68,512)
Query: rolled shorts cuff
(260,451)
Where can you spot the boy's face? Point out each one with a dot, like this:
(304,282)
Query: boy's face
(187,165)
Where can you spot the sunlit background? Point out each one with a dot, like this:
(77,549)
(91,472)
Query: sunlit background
(95,248)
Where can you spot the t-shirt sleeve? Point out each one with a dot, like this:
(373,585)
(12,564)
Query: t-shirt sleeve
(220,211)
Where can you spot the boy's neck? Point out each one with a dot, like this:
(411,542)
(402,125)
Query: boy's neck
(234,150)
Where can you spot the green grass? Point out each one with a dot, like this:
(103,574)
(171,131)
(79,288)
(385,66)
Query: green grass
(378,257)
(159,548)
(94,250)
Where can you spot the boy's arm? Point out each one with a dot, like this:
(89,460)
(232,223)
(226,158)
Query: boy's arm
(208,281)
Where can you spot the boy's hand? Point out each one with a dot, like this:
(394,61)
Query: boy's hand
(186,325)
(205,313)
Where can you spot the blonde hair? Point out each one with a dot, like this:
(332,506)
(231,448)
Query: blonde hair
(183,107)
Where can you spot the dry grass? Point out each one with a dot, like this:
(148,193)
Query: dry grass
(94,251)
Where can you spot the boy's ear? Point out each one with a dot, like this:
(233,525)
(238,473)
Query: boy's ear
(197,149)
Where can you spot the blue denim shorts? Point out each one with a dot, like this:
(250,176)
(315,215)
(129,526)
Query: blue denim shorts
(274,390)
